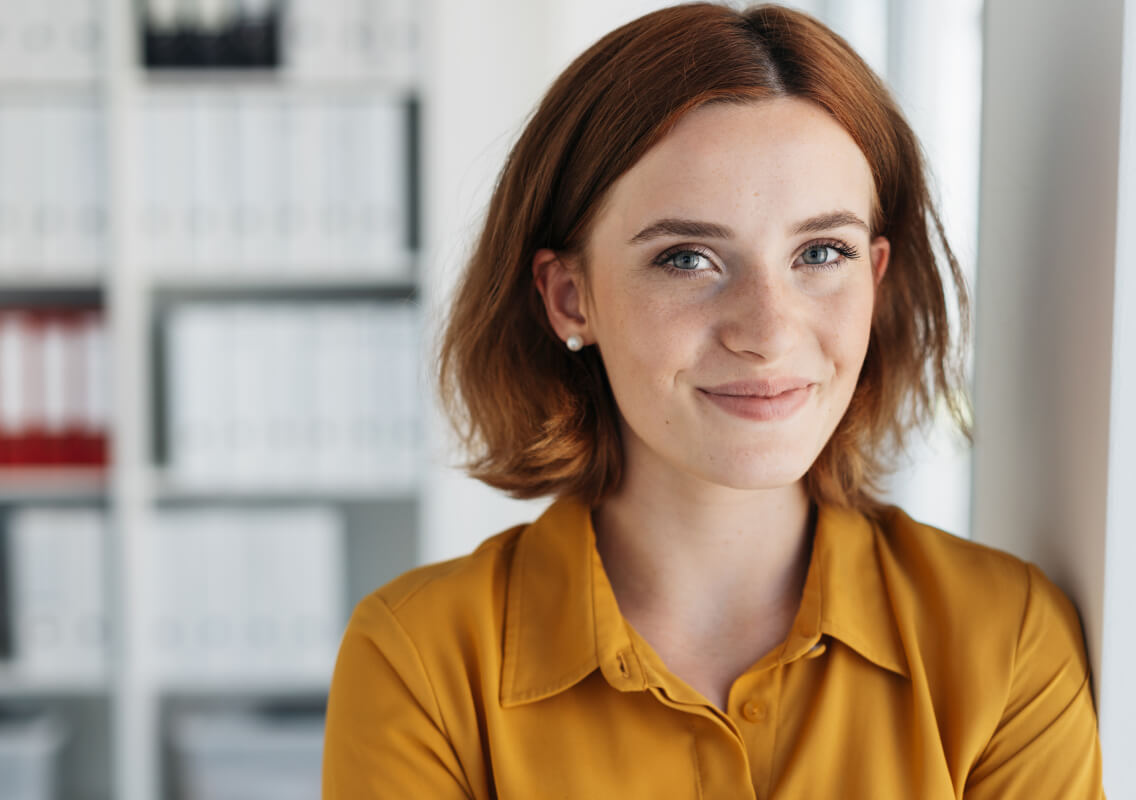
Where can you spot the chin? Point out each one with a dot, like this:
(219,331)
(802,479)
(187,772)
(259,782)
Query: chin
(762,476)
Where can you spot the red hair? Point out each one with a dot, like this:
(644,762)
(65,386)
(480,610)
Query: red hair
(538,420)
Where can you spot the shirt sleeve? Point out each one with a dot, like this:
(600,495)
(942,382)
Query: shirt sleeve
(1046,744)
(384,735)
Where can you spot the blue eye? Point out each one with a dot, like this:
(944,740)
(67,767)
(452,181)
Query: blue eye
(816,255)
(823,256)
(686,260)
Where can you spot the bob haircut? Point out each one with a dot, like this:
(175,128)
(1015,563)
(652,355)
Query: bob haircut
(537,419)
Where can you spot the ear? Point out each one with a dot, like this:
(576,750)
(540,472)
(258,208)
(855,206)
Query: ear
(561,287)
(880,252)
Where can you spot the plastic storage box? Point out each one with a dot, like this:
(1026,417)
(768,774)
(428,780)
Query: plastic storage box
(29,755)
(247,755)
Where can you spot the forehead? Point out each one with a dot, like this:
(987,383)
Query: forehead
(762,164)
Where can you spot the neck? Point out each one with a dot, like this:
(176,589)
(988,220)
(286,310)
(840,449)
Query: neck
(687,552)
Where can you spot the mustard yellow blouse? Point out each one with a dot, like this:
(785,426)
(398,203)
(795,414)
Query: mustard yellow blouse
(920,667)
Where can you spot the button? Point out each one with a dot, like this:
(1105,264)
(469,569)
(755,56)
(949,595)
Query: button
(753,711)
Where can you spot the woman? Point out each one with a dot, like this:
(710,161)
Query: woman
(705,307)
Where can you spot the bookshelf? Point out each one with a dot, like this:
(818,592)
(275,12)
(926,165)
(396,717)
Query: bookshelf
(312,159)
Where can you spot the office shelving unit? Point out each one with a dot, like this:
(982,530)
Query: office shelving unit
(118,719)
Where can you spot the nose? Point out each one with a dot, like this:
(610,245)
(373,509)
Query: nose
(758,317)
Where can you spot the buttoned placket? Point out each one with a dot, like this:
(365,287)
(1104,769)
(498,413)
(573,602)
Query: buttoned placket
(733,750)
(754,706)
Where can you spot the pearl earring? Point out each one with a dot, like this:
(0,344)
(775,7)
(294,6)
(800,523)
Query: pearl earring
(574,343)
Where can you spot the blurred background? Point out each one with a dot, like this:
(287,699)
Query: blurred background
(228,229)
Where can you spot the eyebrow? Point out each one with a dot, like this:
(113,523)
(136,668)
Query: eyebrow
(673,226)
(833,219)
(681,227)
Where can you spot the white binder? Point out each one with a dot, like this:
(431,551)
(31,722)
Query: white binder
(13,403)
(77,42)
(255,139)
(333,401)
(58,178)
(248,593)
(95,401)
(58,602)
(216,183)
(383,173)
(54,370)
(306,185)
(22,185)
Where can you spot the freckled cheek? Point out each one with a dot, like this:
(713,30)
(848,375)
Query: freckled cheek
(655,359)
(648,345)
(843,327)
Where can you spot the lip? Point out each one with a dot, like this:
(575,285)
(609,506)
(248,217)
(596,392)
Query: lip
(760,400)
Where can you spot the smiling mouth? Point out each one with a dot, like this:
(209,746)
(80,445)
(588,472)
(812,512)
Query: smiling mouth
(760,401)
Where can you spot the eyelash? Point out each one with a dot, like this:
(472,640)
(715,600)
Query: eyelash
(664,257)
(846,251)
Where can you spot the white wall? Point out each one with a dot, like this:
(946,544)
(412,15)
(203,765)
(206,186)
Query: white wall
(1118,645)
(1053,374)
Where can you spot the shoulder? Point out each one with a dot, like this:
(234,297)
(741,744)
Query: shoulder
(961,603)
(998,650)
(938,561)
(415,668)
(973,576)
(429,601)
(916,542)
(443,580)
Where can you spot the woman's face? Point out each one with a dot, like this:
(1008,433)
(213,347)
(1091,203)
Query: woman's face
(729,290)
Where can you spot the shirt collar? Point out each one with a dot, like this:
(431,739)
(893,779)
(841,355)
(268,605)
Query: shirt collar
(562,621)
(847,578)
